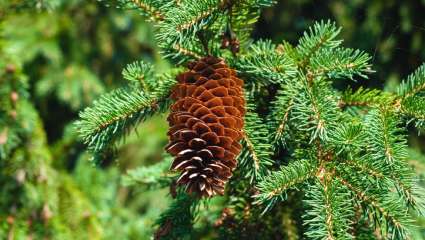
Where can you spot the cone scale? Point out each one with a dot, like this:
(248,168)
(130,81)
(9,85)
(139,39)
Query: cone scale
(206,123)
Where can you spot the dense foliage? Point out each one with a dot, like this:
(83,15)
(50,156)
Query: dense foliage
(346,150)
(55,59)
(323,156)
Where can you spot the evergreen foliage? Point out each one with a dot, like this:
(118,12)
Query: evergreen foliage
(51,56)
(114,114)
(152,177)
(389,31)
(26,171)
(318,162)
(345,151)
(256,154)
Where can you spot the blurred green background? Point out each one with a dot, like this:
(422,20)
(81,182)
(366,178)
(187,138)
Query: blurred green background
(72,51)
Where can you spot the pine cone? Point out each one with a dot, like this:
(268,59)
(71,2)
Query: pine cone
(206,124)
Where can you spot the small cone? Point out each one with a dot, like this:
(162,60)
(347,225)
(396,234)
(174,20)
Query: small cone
(206,124)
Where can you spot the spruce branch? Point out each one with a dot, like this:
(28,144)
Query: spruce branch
(315,110)
(182,52)
(341,63)
(274,186)
(386,139)
(185,51)
(244,14)
(116,113)
(413,194)
(184,21)
(348,138)
(264,65)
(387,177)
(321,35)
(329,211)
(366,168)
(413,107)
(387,153)
(151,177)
(279,118)
(150,8)
(414,84)
(364,98)
(255,158)
(140,73)
(385,210)
(177,221)
(343,156)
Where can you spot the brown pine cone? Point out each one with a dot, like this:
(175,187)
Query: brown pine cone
(206,124)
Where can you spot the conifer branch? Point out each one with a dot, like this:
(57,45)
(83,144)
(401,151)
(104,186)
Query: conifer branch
(340,145)
(185,51)
(387,145)
(116,113)
(414,108)
(281,111)
(366,168)
(414,83)
(255,156)
(283,123)
(341,63)
(140,73)
(385,206)
(263,64)
(177,221)
(149,8)
(364,98)
(280,116)
(182,52)
(413,194)
(329,211)
(151,177)
(273,187)
(183,22)
(315,110)
(387,176)
(243,15)
(388,152)
(321,35)
(348,139)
